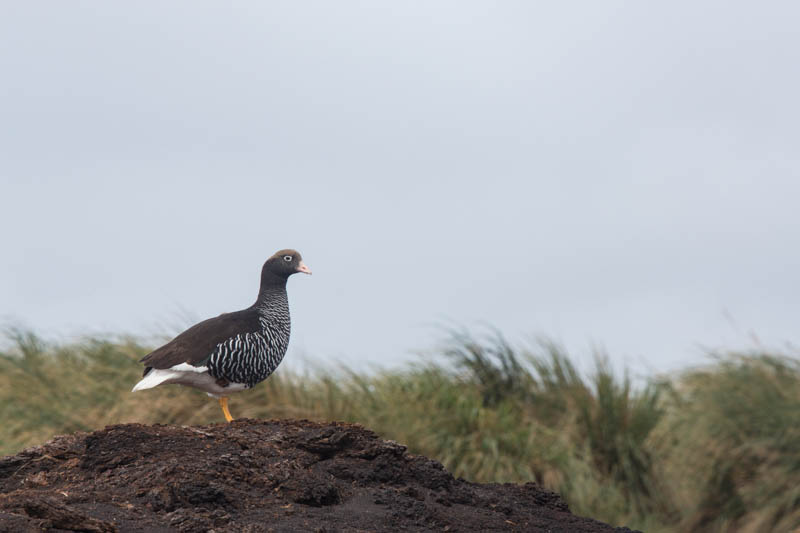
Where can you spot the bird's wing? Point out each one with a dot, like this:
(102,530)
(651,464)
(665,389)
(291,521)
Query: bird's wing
(195,345)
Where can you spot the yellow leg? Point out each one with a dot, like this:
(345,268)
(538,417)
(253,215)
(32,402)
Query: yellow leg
(223,402)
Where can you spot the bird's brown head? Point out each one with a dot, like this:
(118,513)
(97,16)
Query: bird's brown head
(283,264)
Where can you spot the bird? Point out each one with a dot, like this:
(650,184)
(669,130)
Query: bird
(233,351)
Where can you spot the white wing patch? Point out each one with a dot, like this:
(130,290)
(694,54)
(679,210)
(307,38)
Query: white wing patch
(186,374)
(186,367)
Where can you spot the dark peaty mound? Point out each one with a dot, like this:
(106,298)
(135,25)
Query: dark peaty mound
(254,475)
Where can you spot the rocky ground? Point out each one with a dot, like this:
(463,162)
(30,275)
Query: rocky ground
(258,475)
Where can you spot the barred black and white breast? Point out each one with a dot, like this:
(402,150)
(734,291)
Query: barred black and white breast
(250,357)
(233,351)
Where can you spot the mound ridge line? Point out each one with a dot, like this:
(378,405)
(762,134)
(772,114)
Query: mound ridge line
(258,475)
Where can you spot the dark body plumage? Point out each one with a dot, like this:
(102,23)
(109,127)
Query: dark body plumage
(241,347)
(234,350)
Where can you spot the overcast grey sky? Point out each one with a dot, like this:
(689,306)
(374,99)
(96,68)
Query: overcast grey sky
(615,173)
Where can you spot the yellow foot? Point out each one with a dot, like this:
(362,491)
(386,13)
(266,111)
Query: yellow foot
(223,402)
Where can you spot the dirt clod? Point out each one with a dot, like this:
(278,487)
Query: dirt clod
(258,475)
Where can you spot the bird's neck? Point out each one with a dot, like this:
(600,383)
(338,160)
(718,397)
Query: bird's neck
(269,292)
(272,297)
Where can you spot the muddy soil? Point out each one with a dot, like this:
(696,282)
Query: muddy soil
(258,475)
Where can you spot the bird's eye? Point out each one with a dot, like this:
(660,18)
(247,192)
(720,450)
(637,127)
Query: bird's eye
(287,257)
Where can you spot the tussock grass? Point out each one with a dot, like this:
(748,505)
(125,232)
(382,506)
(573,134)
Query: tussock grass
(713,449)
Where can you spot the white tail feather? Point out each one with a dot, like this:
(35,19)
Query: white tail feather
(156,377)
